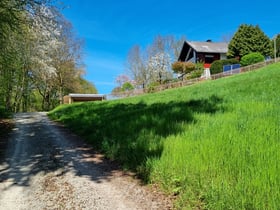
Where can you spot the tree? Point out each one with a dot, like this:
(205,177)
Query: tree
(146,66)
(57,66)
(136,66)
(124,83)
(127,86)
(277,45)
(176,46)
(248,39)
(122,79)
(40,57)
(159,66)
(15,52)
(86,86)
(11,24)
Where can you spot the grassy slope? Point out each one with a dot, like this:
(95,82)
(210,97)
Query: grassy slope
(215,144)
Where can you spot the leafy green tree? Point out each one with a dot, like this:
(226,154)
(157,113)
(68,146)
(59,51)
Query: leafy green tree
(15,48)
(277,45)
(124,84)
(248,39)
(127,86)
(86,87)
(40,58)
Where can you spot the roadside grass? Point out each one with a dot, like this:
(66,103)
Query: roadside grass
(215,144)
(6,125)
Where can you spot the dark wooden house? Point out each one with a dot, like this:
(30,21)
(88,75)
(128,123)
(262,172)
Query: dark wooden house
(205,52)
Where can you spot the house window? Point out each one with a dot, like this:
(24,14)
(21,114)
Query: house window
(209,58)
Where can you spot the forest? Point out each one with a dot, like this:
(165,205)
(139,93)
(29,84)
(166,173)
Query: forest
(40,56)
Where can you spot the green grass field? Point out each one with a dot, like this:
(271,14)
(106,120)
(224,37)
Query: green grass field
(216,144)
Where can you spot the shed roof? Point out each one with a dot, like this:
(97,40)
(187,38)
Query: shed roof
(209,47)
(78,95)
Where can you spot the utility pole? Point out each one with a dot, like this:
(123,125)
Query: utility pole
(275,48)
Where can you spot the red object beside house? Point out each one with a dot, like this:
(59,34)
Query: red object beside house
(207,65)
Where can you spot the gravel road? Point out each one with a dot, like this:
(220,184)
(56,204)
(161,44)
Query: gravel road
(48,167)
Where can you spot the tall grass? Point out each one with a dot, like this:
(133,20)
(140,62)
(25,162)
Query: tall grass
(215,144)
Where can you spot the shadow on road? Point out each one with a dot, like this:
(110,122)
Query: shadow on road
(38,146)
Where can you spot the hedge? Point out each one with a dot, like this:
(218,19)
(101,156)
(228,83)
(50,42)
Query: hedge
(217,66)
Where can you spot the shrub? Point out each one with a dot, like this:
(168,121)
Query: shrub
(177,66)
(189,67)
(183,67)
(217,66)
(251,58)
(4,113)
(152,87)
(127,86)
(195,74)
(199,66)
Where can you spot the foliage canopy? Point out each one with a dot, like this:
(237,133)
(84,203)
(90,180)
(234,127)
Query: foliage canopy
(277,42)
(183,67)
(248,39)
(152,64)
(40,58)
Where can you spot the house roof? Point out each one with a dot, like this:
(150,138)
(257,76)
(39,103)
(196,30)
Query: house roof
(78,95)
(87,97)
(209,47)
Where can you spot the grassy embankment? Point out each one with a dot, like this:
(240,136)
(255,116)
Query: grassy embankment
(215,144)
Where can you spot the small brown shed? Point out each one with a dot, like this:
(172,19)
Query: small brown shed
(76,97)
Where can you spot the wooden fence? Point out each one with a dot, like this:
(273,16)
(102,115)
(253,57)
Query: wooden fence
(192,81)
(244,69)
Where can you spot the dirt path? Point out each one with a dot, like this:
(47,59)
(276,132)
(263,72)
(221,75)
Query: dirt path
(47,167)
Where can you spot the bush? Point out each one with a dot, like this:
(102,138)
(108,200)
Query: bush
(189,67)
(195,74)
(4,113)
(177,67)
(251,58)
(152,87)
(217,66)
(199,66)
(183,67)
(127,86)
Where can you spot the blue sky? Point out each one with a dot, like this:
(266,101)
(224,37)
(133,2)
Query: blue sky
(110,28)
